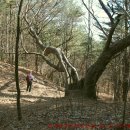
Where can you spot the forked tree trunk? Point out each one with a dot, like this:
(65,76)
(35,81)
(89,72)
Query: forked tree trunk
(95,71)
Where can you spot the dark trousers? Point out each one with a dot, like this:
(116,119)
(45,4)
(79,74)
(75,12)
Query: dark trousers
(29,86)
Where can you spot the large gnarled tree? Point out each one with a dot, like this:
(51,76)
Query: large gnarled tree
(92,74)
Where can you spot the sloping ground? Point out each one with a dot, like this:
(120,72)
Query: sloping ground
(40,88)
(42,92)
(45,106)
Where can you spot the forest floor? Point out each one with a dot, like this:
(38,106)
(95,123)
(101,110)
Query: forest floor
(46,108)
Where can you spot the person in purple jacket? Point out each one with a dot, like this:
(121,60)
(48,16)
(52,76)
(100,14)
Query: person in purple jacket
(29,80)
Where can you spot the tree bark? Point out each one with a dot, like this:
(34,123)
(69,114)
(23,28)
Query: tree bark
(95,71)
(17,61)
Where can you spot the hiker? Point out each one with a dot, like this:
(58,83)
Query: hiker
(29,80)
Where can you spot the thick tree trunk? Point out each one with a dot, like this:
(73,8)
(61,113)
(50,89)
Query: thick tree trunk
(94,72)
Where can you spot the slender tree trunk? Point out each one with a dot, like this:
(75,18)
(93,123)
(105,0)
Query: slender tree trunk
(125,69)
(17,61)
(36,63)
(36,60)
(7,38)
(1,44)
(10,33)
(125,75)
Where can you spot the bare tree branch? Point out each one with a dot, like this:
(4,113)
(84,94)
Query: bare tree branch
(101,28)
(70,65)
(125,12)
(62,64)
(111,32)
(67,40)
(120,45)
(106,10)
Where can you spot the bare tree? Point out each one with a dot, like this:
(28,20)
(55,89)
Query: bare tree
(92,74)
(109,51)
